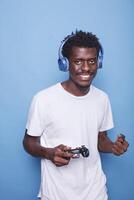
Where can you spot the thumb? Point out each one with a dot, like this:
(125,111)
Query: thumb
(120,138)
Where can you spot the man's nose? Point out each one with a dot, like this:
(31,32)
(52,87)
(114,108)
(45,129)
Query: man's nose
(85,66)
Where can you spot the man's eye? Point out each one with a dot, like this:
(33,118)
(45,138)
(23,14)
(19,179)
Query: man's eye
(78,62)
(92,62)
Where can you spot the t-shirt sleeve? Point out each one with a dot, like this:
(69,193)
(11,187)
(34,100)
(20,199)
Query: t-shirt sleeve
(35,121)
(107,122)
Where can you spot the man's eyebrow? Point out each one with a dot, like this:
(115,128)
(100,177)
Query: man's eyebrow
(86,59)
(93,58)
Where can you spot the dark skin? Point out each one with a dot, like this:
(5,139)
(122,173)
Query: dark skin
(82,70)
(58,155)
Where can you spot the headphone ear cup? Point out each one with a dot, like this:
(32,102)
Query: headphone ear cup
(100,59)
(63,64)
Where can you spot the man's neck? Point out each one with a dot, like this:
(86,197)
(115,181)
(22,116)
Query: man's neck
(75,89)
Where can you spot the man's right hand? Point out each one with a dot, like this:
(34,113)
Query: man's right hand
(59,155)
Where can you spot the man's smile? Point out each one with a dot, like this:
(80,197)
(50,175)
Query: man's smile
(85,77)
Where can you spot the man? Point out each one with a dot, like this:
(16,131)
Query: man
(68,115)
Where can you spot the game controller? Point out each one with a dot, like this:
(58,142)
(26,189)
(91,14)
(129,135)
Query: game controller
(80,150)
(121,136)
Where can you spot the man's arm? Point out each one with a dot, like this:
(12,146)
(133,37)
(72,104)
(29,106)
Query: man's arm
(58,155)
(107,146)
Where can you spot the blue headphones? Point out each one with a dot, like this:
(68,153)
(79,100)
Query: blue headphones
(64,63)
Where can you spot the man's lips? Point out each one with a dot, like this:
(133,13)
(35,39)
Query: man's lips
(85,76)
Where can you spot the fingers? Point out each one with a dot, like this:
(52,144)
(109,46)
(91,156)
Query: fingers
(59,161)
(63,151)
(61,155)
(120,146)
(121,138)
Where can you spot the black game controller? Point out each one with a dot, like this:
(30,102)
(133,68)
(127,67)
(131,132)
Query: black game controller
(80,150)
(121,136)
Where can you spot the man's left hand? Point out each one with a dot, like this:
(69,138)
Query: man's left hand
(120,145)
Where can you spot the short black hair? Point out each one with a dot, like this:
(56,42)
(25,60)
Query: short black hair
(80,39)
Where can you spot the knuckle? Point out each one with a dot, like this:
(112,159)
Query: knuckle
(61,146)
(55,159)
(67,162)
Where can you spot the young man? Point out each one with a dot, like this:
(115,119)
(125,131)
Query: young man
(68,115)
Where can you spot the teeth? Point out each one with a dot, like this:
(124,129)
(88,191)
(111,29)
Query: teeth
(85,75)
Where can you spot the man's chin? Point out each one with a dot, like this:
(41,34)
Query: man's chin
(84,84)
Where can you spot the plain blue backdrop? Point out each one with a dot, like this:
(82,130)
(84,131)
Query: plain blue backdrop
(30,35)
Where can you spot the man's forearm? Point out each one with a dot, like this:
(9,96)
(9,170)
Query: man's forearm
(104,143)
(33,147)
(59,155)
(107,146)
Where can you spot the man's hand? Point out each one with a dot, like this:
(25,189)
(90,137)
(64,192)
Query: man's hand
(120,145)
(105,145)
(59,155)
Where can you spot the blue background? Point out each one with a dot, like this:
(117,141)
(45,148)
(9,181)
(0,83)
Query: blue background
(30,35)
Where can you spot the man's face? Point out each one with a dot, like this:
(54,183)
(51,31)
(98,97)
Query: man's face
(82,66)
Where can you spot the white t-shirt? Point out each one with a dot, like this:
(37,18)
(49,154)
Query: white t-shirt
(59,117)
